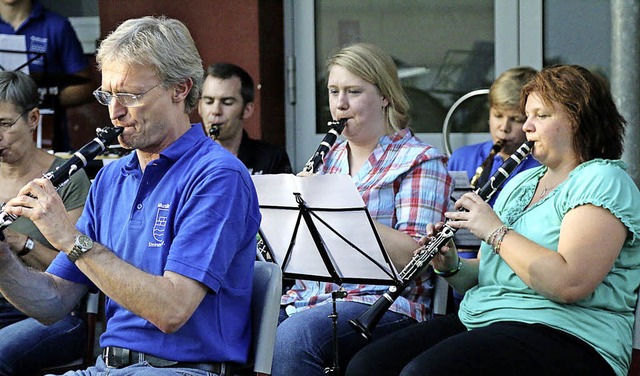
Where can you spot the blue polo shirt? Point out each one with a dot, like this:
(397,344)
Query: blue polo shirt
(52,34)
(469,157)
(194,211)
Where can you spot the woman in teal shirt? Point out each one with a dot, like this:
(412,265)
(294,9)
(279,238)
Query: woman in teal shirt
(555,286)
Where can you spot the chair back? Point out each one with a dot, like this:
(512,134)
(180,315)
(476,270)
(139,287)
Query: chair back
(91,350)
(265,308)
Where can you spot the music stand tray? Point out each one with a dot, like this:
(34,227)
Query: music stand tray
(318,228)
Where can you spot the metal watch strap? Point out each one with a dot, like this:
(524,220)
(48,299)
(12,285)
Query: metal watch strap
(82,245)
(74,254)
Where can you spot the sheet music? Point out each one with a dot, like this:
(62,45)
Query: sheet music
(10,61)
(460,179)
(324,191)
(463,237)
(352,222)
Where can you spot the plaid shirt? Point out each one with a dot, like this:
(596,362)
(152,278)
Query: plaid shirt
(405,185)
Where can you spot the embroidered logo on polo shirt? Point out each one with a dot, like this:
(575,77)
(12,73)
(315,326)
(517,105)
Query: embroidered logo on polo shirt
(38,44)
(160,225)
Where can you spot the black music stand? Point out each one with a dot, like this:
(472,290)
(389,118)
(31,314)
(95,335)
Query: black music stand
(300,217)
(318,228)
(31,57)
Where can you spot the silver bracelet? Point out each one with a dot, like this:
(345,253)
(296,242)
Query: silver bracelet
(496,237)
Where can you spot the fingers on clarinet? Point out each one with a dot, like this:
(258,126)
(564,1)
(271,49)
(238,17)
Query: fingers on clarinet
(15,210)
(431,229)
(455,224)
(46,185)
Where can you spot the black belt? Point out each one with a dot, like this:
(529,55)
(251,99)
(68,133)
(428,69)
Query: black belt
(118,357)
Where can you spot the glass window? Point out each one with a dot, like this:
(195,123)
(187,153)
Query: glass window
(443,50)
(578,32)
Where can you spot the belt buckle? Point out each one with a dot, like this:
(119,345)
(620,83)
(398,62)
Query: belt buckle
(116,357)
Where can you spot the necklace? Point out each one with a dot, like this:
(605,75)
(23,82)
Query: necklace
(546,190)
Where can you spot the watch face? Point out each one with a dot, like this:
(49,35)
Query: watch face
(84,242)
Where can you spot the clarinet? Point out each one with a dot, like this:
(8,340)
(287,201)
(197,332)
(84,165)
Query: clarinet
(214,131)
(329,139)
(263,251)
(62,174)
(495,149)
(368,320)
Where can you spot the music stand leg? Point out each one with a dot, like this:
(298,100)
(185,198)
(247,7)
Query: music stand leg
(334,370)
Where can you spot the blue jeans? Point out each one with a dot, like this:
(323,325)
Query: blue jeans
(27,346)
(304,341)
(138,369)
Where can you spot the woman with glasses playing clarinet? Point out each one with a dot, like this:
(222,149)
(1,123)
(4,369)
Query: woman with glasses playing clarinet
(25,344)
(555,287)
(405,185)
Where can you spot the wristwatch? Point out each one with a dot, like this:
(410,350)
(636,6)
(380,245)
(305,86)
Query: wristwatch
(82,245)
(28,247)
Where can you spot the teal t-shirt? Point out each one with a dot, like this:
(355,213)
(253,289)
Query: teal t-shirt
(605,318)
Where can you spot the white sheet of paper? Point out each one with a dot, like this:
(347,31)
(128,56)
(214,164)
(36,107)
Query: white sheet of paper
(461,179)
(331,191)
(322,191)
(10,61)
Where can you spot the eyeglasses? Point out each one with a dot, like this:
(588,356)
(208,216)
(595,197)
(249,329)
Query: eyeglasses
(125,99)
(6,125)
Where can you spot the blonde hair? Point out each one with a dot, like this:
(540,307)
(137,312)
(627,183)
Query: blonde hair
(374,65)
(163,44)
(505,90)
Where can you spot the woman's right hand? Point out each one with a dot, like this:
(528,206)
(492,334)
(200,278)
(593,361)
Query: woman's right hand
(447,257)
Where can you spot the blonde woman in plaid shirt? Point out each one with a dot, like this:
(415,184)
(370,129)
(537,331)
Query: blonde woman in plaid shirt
(405,185)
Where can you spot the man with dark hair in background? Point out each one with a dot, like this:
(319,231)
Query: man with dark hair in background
(226,102)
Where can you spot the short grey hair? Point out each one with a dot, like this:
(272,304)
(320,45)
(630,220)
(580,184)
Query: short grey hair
(18,89)
(162,43)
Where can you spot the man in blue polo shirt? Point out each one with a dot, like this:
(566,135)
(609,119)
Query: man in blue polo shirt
(168,233)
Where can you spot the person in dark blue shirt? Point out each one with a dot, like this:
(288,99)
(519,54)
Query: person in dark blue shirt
(505,126)
(62,69)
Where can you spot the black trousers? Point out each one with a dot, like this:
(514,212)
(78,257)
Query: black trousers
(444,346)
